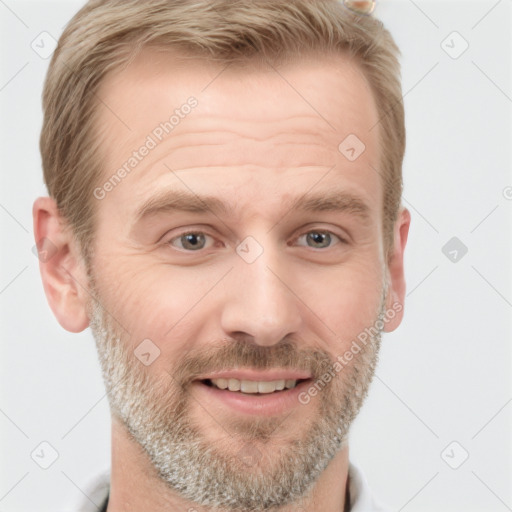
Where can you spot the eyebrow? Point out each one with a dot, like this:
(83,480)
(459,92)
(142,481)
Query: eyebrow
(180,200)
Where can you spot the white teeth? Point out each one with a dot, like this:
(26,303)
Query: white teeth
(266,387)
(222,383)
(249,386)
(280,385)
(234,385)
(252,386)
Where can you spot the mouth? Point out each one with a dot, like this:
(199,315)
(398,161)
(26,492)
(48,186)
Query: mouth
(253,393)
(253,387)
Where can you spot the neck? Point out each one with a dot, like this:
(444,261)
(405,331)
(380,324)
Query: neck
(135,485)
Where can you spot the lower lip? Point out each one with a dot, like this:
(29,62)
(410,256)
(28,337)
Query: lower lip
(268,404)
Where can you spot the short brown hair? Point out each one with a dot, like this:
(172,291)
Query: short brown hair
(102,37)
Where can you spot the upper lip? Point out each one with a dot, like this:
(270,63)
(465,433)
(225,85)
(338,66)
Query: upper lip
(258,375)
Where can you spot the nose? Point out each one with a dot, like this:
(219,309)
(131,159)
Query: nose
(260,303)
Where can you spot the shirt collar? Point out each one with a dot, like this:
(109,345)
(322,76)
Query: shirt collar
(361,497)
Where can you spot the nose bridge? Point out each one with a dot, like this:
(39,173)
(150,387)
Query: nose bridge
(258,302)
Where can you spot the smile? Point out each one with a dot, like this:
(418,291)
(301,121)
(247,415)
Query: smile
(253,386)
(253,393)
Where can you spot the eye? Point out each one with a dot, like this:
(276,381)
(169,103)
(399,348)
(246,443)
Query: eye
(189,241)
(320,239)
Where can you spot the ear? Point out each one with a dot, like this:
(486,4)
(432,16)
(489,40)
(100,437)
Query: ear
(395,269)
(60,263)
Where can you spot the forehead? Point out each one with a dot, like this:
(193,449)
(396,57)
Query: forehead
(259,126)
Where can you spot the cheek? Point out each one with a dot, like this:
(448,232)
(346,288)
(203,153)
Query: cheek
(347,300)
(156,302)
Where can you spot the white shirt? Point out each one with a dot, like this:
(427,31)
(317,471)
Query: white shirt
(361,498)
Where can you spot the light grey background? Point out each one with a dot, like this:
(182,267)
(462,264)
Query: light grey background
(444,375)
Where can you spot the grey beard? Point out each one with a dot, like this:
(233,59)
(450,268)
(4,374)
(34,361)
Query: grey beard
(153,409)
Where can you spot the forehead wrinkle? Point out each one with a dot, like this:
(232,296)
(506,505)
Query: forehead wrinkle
(278,152)
(223,128)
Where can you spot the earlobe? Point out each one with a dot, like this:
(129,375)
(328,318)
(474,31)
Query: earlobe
(62,270)
(396,291)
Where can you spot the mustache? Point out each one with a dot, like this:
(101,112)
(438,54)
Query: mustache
(248,355)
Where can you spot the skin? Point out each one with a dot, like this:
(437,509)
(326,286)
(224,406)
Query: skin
(256,144)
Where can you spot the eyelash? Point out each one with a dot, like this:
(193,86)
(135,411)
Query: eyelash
(321,231)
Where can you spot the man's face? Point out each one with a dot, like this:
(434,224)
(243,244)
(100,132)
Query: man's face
(260,284)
